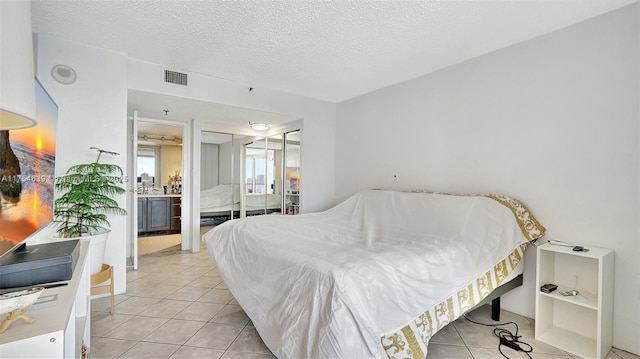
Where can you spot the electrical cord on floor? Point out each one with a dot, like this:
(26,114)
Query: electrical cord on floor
(507,338)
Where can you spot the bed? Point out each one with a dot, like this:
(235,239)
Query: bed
(373,277)
(217,202)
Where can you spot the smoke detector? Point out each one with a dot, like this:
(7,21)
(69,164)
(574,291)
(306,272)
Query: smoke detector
(64,74)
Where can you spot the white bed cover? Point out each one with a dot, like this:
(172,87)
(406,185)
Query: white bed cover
(219,198)
(332,284)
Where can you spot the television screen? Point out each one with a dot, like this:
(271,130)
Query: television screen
(27,195)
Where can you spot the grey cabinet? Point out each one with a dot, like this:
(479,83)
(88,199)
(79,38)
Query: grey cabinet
(142,215)
(176,211)
(158,214)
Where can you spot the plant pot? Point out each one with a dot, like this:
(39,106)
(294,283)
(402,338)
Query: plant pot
(97,246)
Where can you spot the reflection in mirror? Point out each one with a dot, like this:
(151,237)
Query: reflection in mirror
(274,160)
(292,183)
(271,175)
(219,178)
(241,176)
(274,143)
(259,167)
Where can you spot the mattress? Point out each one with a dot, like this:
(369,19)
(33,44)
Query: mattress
(375,276)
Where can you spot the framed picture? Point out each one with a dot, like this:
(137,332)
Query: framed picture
(26,197)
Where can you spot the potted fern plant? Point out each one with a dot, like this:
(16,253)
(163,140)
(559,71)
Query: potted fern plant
(87,197)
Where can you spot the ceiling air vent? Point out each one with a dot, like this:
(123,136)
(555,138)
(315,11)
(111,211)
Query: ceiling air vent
(174,77)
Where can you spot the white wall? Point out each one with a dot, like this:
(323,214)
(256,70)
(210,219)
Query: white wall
(171,161)
(227,151)
(553,121)
(209,165)
(91,112)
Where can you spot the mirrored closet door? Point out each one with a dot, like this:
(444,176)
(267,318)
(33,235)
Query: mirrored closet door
(291,174)
(271,175)
(259,190)
(219,178)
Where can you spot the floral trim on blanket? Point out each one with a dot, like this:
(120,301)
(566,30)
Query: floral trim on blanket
(530,227)
(411,341)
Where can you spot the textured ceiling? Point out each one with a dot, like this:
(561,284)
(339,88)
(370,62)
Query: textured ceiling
(330,50)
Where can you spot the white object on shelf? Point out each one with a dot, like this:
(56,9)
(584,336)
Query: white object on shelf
(19,299)
(15,306)
(580,324)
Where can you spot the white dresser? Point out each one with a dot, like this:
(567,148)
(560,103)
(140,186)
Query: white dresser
(61,330)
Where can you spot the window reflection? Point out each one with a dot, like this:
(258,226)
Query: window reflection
(147,166)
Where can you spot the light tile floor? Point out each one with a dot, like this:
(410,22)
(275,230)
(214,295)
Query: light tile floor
(177,306)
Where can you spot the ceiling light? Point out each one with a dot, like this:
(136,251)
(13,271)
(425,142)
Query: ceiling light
(17,86)
(259,126)
(159,138)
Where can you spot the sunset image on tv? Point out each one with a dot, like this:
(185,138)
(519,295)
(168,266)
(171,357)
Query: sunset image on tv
(27,194)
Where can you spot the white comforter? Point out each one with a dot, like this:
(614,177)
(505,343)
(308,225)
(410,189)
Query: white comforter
(331,284)
(220,195)
(226,197)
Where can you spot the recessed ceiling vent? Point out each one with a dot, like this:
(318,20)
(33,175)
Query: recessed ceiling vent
(174,77)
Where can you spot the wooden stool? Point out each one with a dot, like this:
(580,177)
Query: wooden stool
(106,273)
